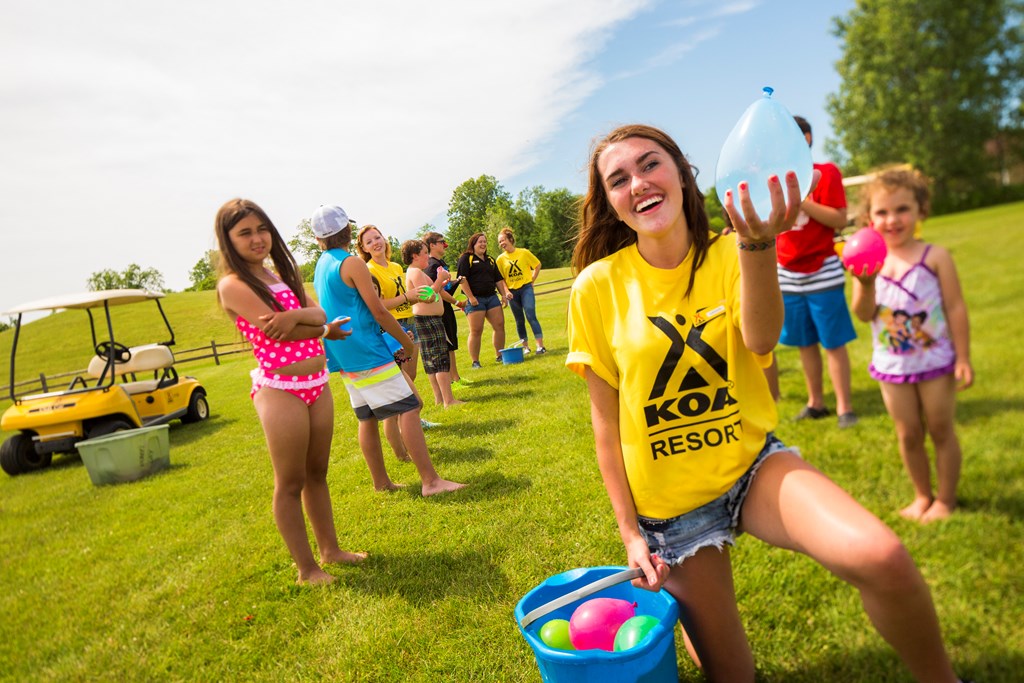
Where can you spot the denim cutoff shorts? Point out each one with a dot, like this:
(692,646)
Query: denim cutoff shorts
(713,523)
(484,303)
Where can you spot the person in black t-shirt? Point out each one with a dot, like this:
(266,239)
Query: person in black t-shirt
(436,247)
(482,282)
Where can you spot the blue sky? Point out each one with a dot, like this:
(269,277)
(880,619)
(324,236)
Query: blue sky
(126,124)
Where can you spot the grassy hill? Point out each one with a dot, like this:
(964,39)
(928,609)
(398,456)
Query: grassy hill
(183,576)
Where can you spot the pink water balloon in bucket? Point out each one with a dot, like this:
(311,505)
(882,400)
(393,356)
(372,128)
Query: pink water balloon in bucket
(864,252)
(594,623)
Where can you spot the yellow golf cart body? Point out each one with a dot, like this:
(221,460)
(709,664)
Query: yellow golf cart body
(122,388)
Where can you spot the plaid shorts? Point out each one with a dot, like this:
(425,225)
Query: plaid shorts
(433,344)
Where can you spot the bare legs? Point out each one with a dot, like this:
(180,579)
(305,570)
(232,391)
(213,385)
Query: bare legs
(441,386)
(393,434)
(839,373)
(496,318)
(299,441)
(791,505)
(412,439)
(476,330)
(931,406)
(455,377)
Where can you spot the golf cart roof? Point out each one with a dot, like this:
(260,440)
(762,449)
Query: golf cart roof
(115,297)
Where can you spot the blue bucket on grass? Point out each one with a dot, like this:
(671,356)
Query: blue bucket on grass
(652,660)
(512,355)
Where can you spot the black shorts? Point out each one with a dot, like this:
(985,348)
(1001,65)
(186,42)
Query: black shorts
(451,327)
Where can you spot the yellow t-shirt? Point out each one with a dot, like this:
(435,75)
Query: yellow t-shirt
(516,268)
(392,284)
(694,405)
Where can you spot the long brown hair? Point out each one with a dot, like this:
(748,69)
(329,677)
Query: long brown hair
(232,263)
(601,233)
(365,255)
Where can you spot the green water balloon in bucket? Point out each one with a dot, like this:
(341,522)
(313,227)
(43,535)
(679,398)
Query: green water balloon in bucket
(766,141)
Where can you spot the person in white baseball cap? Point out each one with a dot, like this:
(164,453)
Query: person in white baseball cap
(329,220)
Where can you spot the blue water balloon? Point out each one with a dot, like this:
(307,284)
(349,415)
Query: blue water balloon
(765,141)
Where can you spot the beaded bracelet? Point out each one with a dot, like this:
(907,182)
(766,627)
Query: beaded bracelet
(756,246)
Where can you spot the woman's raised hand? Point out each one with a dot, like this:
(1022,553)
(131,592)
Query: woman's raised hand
(750,227)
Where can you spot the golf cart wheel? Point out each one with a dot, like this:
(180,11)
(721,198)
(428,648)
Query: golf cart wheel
(18,455)
(198,407)
(108,425)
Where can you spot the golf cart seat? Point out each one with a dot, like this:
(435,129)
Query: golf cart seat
(145,358)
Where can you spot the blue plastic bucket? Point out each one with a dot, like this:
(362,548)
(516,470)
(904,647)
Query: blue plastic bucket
(652,660)
(513,355)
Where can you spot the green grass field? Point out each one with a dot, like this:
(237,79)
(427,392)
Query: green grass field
(182,576)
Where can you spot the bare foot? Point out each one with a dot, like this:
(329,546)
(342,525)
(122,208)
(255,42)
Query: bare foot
(315,577)
(390,486)
(441,486)
(404,457)
(343,557)
(915,509)
(937,511)
(455,402)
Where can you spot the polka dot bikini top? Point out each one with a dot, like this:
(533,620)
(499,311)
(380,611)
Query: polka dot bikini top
(272,354)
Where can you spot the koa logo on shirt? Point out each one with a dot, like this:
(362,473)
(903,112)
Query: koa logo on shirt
(673,410)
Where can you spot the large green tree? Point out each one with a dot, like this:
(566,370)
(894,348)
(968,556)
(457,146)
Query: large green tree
(555,218)
(476,205)
(931,84)
(204,273)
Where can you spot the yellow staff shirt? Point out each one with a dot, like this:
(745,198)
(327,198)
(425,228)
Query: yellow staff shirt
(694,405)
(516,267)
(392,284)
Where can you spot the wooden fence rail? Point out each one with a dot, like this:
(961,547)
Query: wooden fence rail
(216,350)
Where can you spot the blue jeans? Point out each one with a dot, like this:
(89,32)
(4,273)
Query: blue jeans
(524,307)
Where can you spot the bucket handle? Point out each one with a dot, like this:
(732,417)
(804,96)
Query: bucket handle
(580,593)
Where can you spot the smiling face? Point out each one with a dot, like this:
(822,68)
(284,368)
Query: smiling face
(643,187)
(480,246)
(373,243)
(894,214)
(251,239)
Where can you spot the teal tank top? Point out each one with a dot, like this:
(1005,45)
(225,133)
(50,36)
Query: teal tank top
(364,349)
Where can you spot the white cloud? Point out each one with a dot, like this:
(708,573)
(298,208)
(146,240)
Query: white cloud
(127,124)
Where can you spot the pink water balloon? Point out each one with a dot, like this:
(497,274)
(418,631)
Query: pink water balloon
(864,252)
(594,623)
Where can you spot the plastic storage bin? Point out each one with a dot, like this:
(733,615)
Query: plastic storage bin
(652,660)
(127,455)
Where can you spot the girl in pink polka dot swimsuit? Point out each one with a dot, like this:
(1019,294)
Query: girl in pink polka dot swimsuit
(289,386)
(272,355)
